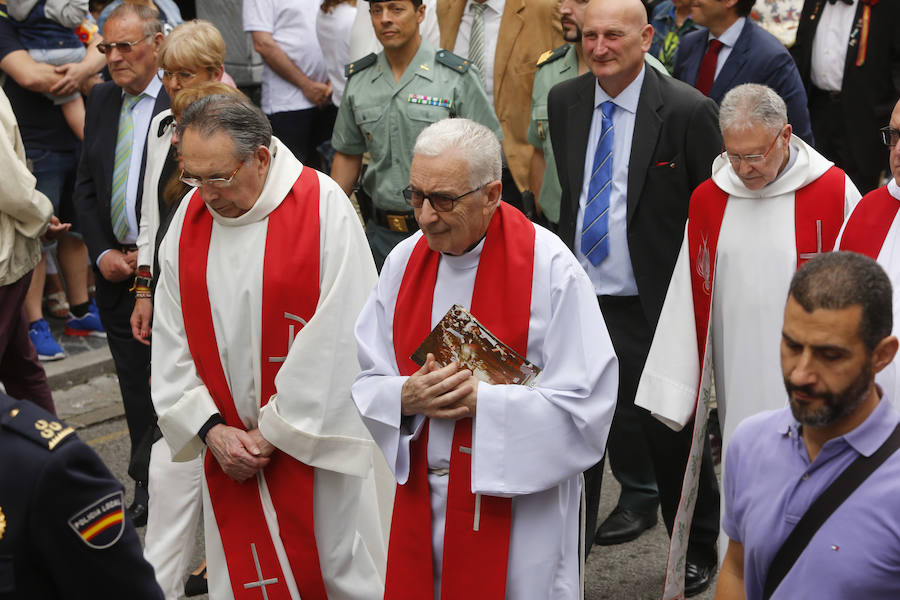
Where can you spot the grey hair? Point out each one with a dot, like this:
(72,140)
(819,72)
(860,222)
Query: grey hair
(149,17)
(839,280)
(752,104)
(247,126)
(474,142)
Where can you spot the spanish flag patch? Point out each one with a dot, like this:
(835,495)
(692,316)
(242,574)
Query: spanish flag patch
(101,524)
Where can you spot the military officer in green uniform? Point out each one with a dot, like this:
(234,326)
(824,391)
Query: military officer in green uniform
(391,97)
(556,66)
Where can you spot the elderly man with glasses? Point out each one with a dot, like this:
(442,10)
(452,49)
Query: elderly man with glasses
(771,204)
(107,200)
(489,473)
(873,229)
(262,274)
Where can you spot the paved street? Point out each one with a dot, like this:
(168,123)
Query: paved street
(627,572)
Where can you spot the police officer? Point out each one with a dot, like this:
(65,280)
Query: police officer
(556,66)
(391,97)
(64,532)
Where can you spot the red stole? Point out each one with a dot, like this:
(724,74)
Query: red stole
(475,557)
(290,287)
(818,216)
(869,223)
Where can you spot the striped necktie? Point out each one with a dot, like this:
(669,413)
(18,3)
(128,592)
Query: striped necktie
(117,208)
(476,42)
(595,229)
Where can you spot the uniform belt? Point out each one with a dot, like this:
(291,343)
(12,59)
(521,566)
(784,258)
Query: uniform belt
(402,222)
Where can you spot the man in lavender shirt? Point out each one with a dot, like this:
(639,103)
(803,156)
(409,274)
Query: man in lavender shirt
(836,336)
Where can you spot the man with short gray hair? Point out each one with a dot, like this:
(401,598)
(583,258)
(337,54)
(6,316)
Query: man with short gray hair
(489,472)
(772,203)
(262,274)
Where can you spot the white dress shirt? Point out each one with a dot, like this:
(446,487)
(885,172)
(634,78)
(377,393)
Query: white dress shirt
(492,16)
(729,38)
(614,276)
(829,51)
(140,116)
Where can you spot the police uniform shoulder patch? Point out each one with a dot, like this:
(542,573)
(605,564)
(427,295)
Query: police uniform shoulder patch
(30,421)
(356,66)
(100,524)
(455,62)
(550,55)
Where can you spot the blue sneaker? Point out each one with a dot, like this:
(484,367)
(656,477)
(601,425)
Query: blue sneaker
(46,346)
(88,325)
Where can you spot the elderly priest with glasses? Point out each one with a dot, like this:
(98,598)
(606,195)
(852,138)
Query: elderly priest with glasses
(489,474)
(873,229)
(771,204)
(263,272)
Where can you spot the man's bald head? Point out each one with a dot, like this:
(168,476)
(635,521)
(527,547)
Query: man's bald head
(631,10)
(615,38)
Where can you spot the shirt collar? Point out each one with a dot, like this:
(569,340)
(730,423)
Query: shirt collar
(494,5)
(729,36)
(894,189)
(865,439)
(152,89)
(627,99)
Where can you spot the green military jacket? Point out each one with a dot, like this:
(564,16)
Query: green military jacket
(384,117)
(555,66)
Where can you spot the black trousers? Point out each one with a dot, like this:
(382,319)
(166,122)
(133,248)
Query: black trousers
(302,131)
(631,336)
(830,130)
(132,360)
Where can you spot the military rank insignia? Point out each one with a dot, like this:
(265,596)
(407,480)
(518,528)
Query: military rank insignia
(101,524)
(430,100)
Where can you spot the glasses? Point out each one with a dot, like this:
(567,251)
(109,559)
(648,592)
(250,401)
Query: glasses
(890,136)
(216,182)
(183,77)
(439,202)
(736,159)
(123,47)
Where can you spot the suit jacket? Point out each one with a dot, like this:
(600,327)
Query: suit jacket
(870,90)
(676,137)
(93,184)
(757,57)
(527,29)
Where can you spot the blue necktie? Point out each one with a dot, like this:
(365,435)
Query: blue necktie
(595,229)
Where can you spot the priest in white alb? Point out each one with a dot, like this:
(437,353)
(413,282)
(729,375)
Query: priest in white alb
(489,476)
(262,273)
(771,204)
(873,229)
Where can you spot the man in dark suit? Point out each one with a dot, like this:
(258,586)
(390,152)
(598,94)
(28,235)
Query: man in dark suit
(662,140)
(848,55)
(730,49)
(107,200)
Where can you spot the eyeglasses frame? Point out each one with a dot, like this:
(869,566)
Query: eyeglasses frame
(408,192)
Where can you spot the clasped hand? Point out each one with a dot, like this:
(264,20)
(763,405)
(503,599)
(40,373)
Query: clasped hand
(241,454)
(440,392)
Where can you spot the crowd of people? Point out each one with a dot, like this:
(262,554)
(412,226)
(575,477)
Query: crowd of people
(655,204)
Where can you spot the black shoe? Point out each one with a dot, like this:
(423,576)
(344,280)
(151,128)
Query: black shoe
(196,584)
(697,578)
(623,525)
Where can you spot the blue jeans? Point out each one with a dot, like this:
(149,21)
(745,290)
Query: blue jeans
(55,175)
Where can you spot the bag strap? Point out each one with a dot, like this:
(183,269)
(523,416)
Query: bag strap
(822,508)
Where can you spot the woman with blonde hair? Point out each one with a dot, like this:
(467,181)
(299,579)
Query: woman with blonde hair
(191,60)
